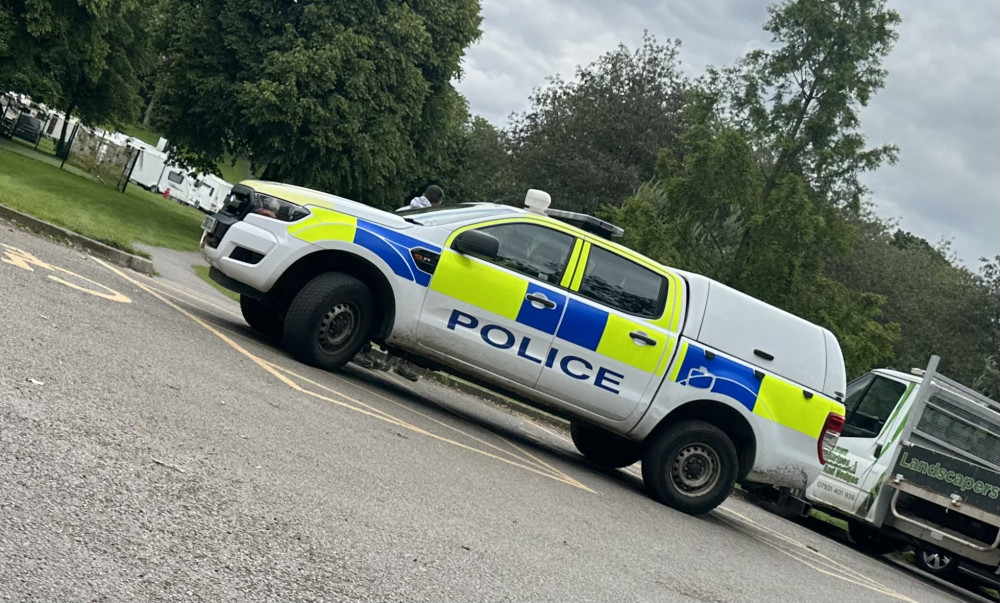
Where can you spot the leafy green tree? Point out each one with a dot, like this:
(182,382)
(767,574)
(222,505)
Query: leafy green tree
(707,199)
(593,141)
(82,56)
(799,103)
(349,97)
(484,167)
(941,308)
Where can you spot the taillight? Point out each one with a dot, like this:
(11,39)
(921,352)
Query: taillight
(829,436)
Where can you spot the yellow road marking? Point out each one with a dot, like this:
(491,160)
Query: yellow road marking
(800,552)
(160,285)
(25,260)
(538,462)
(351,404)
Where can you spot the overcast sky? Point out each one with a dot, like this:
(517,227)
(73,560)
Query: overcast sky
(941,103)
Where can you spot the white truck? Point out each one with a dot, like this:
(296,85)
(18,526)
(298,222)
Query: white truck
(703,384)
(918,464)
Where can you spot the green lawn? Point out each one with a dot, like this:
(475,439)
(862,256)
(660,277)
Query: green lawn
(202,272)
(144,134)
(95,210)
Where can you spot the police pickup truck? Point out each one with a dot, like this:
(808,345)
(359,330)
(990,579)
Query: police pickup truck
(703,384)
(918,464)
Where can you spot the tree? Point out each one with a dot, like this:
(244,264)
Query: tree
(593,141)
(484,170)
(799,103)
(941,308)
(332,94)
(83,57)
(707,199)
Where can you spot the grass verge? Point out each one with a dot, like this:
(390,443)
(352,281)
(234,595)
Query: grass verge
(202,272)
(95,210)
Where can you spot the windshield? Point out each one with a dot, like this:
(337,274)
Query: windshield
(436,216)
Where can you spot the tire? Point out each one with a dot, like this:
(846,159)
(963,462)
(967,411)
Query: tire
(938,563)
(329,320)
(690,466)
(869,540)
(259,317)
(603,447)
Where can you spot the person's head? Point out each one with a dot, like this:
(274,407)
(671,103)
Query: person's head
(434,194)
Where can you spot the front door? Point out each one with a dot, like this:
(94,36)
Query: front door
(500,314)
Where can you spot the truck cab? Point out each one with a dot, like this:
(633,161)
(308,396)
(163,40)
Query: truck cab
(918,464)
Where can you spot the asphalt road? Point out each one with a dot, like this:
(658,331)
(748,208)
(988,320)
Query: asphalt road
(153,448)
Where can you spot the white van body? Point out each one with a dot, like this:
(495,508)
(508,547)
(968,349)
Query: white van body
(179,182)
(210,192)
(149,166)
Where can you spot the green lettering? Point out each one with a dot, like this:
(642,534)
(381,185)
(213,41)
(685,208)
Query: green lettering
(979,488)
(903,460)
(994,492)
(949,477)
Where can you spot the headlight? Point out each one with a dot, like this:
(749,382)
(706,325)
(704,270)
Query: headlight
(279,209)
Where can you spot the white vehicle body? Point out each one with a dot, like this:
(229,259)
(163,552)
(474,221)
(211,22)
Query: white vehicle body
(210,192)
(179,182)
(558,317)
(149,165)
(918,463)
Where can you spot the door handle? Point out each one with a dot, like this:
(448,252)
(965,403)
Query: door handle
(538,298)
(640,336)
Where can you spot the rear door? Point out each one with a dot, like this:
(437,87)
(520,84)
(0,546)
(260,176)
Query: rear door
(617,336)
(500,315)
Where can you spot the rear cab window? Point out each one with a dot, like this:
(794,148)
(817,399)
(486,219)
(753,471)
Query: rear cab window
(621,284)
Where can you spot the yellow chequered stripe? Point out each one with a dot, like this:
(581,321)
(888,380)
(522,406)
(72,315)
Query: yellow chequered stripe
(479,284)
(617,344)
(786,404)
(325,225)
(580,267)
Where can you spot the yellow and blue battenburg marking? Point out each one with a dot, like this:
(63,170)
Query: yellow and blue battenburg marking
(762,394)
(392,246)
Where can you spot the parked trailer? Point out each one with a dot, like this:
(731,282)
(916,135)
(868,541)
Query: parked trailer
(149,166)
(178,183)
(210,192)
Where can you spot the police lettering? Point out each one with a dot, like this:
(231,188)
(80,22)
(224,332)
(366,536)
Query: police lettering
(572,366)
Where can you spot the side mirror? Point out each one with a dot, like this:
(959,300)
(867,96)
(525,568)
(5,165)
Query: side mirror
(477,242)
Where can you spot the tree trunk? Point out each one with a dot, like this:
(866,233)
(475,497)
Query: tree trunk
(148,114)
(62,134)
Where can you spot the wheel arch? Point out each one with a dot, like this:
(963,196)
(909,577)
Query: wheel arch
(309,266)
(723,416)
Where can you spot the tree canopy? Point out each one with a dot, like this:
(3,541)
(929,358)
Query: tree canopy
(337,95)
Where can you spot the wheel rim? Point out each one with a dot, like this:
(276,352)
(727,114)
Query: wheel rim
(936,561)
(695,470)
(337,327)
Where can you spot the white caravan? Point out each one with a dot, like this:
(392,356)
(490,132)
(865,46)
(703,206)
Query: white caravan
(210,192)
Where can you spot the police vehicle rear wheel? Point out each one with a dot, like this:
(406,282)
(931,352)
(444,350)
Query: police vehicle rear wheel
(602,447)
(690,466)
(329,320)
(259,317)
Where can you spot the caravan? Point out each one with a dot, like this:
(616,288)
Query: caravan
(210,192)
(177,183)
(149,166)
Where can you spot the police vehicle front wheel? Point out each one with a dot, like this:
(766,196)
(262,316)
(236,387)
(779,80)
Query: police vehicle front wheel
(329,320)
(690,466)
(603,447)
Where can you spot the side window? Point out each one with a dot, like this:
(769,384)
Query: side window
(533,250)
(870,401)
(622,284)
(175,177)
